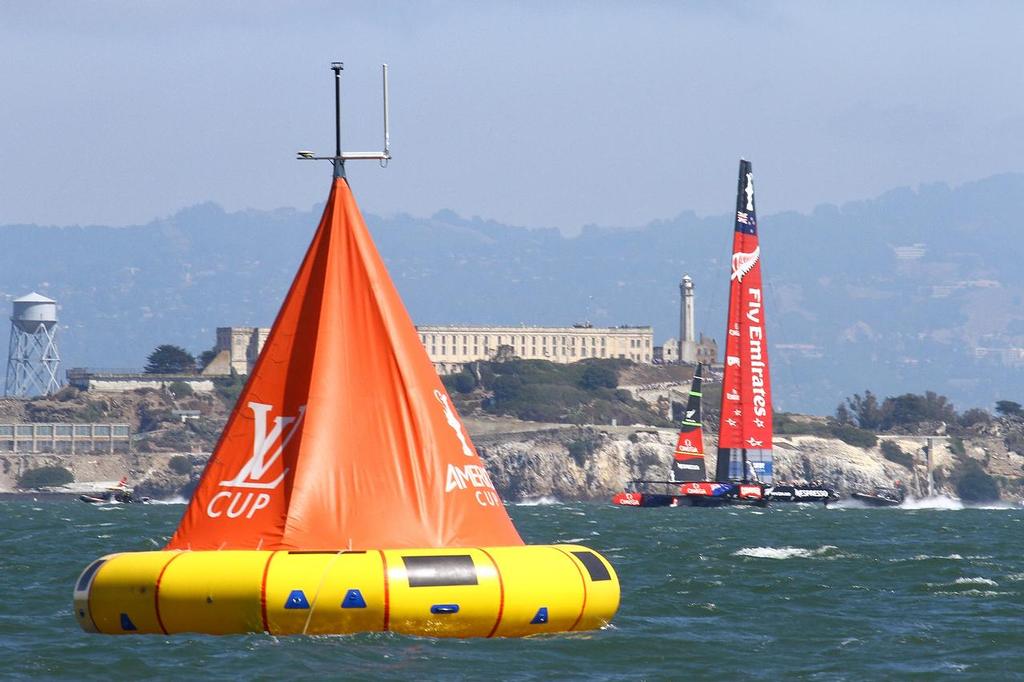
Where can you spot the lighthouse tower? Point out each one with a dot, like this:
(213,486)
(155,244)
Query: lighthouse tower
(687,339)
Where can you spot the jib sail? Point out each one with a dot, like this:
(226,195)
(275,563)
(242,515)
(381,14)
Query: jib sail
(688,460)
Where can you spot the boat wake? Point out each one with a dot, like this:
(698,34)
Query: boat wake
(537,502)
(784,552)
(178,499)
(939,502)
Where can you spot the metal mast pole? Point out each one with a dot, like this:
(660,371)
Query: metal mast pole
(339,163)
(339,157)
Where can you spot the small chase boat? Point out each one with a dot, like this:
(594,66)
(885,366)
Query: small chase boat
(116,494)
(345,495)
(882,497)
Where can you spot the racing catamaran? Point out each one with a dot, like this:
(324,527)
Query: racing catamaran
(743,472)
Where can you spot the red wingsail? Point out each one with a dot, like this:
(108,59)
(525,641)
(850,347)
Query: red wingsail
(344,437)
(746,416)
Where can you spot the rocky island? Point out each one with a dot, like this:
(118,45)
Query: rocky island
(570,432)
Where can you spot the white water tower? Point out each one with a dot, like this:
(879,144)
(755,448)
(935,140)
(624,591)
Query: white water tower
(32,357)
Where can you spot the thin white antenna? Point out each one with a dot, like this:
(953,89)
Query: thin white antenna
(339,158)
(387,130)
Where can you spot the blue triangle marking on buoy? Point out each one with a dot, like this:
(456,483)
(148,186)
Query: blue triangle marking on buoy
(126,623)
(541,617)
(297,600)
(353,600)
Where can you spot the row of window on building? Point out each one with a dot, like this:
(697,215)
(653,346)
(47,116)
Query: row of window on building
(564,346)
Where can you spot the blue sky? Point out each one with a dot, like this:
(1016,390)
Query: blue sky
(535,113)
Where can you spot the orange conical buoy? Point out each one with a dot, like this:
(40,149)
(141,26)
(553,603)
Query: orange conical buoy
(344,437)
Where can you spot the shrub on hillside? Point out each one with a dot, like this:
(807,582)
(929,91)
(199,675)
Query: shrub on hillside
(583,447)
(894,453)
(974,416)
(229,388)
(152,417)
(180,464)
(851,435)
(464,382)
(45,476)
(65,394)
(956,446)
(174,438)
(1015,442)
(598,375)
(1009,408)
(179,389)
(973,484)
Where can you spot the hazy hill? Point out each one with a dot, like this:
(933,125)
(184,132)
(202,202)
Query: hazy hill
(894,294)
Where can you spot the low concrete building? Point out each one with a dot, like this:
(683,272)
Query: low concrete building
(65,438)
(120,381)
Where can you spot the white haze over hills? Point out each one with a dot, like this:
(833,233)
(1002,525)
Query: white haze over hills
(914,290)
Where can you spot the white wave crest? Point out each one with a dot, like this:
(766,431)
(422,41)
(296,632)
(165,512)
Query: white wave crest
(178,499)
(783,552)
(940,502)
(976,581)
(973,593)
(537,501)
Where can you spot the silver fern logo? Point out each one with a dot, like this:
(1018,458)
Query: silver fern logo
(742,263)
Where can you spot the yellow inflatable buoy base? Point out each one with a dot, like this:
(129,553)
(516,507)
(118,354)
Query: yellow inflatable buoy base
(479,592)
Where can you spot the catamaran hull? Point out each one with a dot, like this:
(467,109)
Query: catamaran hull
(479,592)
(802,494)
(640,499)
(876,500)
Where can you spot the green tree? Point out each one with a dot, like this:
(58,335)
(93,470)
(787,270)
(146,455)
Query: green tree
(179,389)
(45,476)
(843,415)
(598,376)
(911,408)
(1009,408)
(179,464)
(464,382)
(894,453)
(974,416)
(168,359)
(866,410)
(205,358)
(975,485)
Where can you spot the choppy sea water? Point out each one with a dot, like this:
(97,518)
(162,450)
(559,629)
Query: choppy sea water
(788,591)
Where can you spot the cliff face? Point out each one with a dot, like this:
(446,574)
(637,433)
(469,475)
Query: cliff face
(596,462)
(528,460)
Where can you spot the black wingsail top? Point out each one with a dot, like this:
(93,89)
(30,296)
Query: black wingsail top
(688,459)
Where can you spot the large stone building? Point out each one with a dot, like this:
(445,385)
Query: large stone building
(237,350)
(451,345)
(705,350)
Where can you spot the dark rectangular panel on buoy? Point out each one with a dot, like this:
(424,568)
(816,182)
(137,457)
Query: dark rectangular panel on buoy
(440,571)
(87,574)
(595,567)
